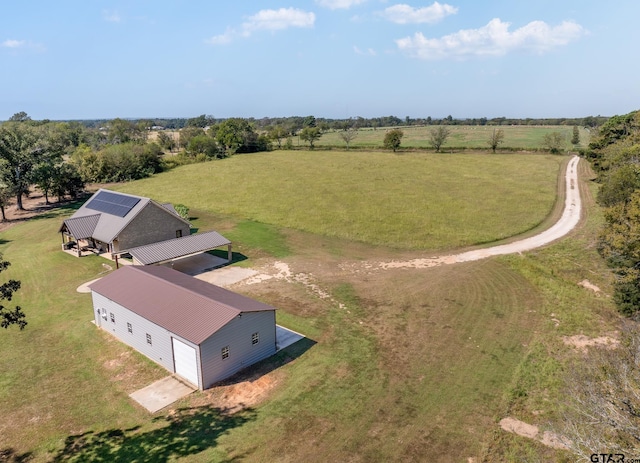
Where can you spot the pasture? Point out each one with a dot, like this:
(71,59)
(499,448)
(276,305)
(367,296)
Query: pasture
(416,364)
(516,138)
(416,201)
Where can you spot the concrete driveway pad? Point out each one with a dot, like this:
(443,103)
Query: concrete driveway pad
(161,394)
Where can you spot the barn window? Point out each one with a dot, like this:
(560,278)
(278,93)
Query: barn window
(104,313)
(178,233)
(149,339)
(255,338)
(225,352)
(129,328)
(113,317)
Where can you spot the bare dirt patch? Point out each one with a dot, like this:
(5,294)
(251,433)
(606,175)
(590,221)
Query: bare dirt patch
(588,285)
(531,431)
(582,342)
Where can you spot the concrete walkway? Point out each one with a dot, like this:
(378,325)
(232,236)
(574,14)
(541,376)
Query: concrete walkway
(285,337)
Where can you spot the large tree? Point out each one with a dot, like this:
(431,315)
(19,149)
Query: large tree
(438,136)
(236,136)
(277,133)
(348,135)
(554,142)
(10,316)
(21,148)
(310,135)
(392,139)
(496,138)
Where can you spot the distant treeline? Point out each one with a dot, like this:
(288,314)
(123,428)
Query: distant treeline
(295,123)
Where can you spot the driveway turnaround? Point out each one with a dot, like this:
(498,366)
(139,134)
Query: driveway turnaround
(161,394)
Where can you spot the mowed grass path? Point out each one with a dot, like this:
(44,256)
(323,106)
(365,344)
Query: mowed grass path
(410,201)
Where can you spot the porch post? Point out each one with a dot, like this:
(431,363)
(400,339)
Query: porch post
(229,253)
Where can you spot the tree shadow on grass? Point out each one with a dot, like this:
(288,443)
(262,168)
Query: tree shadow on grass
(9,455)
(188,431)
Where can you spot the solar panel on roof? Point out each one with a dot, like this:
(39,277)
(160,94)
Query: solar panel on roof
(112,203)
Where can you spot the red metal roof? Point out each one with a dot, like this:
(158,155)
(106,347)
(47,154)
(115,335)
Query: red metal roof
(186,306)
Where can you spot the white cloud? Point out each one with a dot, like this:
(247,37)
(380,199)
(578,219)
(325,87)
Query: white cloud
(367,52)
(405,14)
(270,20)
(494,39)
(274,20)
(222,39)
(339,4)
(111,16)
(14,43)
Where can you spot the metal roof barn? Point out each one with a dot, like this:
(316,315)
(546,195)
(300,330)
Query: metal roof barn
(163,313)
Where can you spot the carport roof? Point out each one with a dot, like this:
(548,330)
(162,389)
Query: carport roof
(186,306)
(164,251)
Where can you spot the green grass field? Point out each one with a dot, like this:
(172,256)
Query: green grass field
(419,365)
(409,201)
(462,136)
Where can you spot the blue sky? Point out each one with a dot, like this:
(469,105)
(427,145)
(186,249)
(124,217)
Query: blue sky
(75,59)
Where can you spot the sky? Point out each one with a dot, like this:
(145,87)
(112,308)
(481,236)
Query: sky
(78,59)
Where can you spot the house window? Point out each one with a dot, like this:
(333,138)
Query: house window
(178,233)
(113,317)
(104,313)
(255,338)
(225,352)
(129,328)
(149,339)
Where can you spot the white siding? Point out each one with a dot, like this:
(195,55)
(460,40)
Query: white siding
(160,349)
(237,335)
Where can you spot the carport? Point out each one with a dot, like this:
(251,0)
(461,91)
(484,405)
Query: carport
(178,248)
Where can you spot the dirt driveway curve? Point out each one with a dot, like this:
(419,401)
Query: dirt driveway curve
(567,222)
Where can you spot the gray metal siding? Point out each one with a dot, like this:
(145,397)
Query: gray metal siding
(237,335)
(152,224)
(161,350)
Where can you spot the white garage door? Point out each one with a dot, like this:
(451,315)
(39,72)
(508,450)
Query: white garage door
(184,357)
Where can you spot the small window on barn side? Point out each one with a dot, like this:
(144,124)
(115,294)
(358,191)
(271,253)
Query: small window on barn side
(255,338)
(178,233)
(149,339)
(225,352)
(104,313)
(113,317)
(129,328)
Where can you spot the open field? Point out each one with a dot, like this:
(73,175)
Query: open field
(420,364)
(518,137)
(413,201)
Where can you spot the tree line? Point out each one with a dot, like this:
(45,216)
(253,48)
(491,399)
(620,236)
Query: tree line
(297,123)
(615,157)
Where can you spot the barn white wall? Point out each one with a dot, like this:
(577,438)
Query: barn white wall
(237,335)
(160,351)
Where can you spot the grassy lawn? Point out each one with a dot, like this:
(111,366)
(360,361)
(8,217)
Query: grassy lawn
(462,136)
(417,364)
(412,201)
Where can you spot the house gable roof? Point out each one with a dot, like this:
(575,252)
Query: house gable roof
(115,211)
(186,306)
(82,227)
